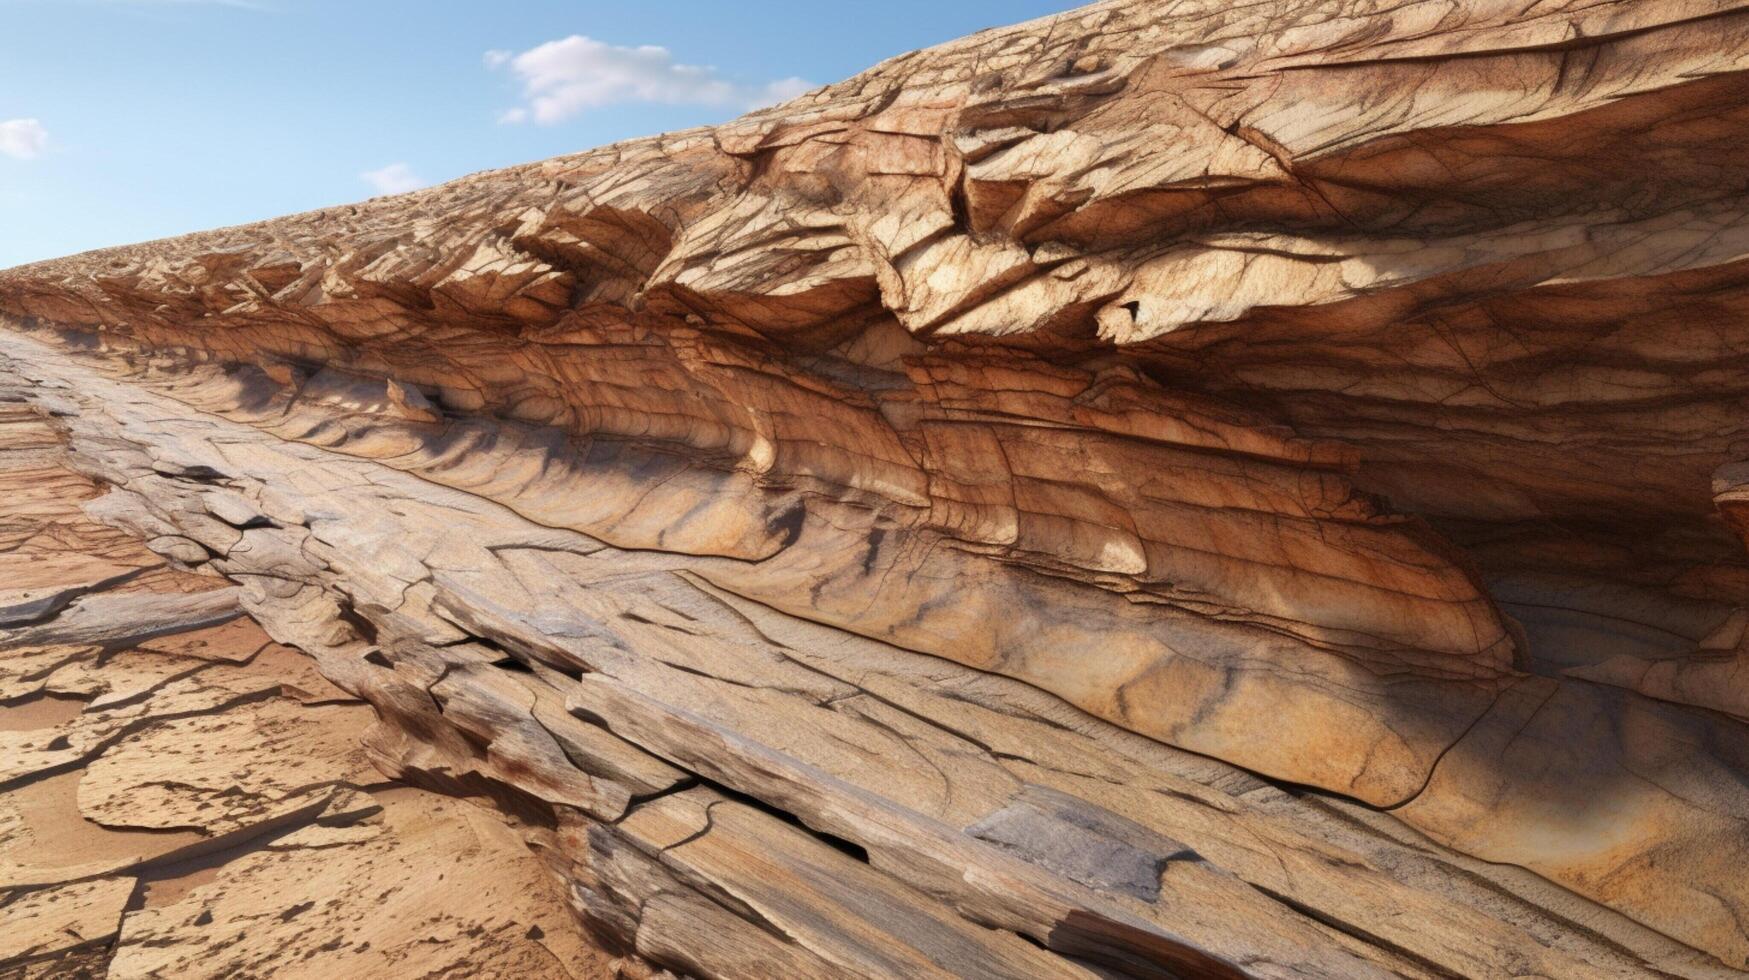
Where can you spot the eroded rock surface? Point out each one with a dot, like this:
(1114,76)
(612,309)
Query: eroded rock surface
(180,796)
(1227,489)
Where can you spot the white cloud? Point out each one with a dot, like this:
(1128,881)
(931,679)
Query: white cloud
(396,178)
(563,78)
(23,139)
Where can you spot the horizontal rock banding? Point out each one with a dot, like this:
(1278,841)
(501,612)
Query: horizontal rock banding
(1336,393)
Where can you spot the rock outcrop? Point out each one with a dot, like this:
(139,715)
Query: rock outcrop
(1170,489)
(180,796)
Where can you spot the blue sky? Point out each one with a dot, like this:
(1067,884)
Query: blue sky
(125,120)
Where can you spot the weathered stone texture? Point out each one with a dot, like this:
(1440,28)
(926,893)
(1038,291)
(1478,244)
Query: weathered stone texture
(1124,477)
(180,796)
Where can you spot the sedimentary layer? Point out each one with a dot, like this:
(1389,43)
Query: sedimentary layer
(1172,487)
(182,796)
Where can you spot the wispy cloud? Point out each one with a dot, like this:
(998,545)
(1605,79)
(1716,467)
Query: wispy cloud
(396,178)
(23,139)
(563,78)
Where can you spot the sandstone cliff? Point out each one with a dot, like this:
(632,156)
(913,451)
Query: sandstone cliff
(1174,489)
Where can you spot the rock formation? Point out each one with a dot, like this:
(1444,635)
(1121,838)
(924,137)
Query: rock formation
(1172,489)
(181,796)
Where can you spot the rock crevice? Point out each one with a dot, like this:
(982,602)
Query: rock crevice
(1160,437)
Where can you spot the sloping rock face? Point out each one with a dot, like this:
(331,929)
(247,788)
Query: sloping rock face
(1187,488)
(182,797)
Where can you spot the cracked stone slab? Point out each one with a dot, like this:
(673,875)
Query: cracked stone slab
(407,901)
(39,924)
(1093,846)
(1308,437)
(647,624)
(180,745)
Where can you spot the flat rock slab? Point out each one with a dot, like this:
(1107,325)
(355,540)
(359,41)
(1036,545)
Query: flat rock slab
(1091,845)
(188,798)
(1213,489)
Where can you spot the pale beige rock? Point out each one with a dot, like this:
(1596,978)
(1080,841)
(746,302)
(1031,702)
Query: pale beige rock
(408,901)
(214,773)
(214,766)
(35,925)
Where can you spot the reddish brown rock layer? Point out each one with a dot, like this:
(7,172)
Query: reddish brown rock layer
(1351,393)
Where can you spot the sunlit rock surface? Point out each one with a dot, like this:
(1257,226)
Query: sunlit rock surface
(1171,488)
(180,796)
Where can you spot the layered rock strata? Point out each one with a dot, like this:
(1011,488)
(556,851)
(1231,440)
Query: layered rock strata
(180,796)
(1171,488)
